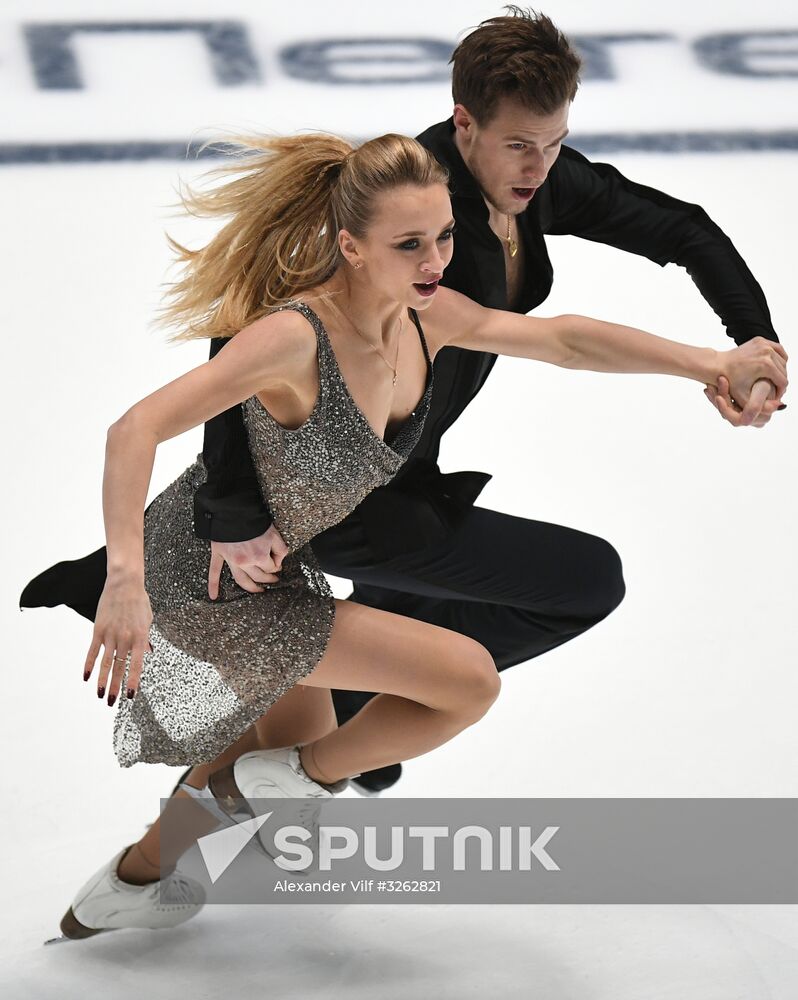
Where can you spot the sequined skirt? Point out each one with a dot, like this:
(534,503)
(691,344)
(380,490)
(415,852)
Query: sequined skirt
(215,666)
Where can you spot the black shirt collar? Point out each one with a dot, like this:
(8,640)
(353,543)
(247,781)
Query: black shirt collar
(439,140)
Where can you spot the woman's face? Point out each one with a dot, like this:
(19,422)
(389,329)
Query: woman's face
(408,244)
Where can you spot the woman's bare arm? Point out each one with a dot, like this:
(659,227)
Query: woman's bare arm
(264,355)
(579,342)
(268,353)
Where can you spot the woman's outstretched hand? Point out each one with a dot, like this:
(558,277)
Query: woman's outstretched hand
(252,563)
(121,627)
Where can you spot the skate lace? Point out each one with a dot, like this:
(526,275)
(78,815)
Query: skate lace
(317,792)
(308,815)
(308,811)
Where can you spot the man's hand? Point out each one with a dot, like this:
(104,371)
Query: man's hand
(256,561)
(763,401)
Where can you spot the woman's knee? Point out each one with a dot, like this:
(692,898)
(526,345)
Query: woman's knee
(475,680)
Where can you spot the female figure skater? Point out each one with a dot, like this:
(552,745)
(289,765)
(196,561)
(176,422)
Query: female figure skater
(317,279)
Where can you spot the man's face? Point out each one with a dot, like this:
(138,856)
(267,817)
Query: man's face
(511,154)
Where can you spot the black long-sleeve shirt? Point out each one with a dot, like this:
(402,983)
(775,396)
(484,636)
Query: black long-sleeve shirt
(579,198)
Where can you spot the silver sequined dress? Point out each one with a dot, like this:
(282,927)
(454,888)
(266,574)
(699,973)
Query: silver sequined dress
(217,666)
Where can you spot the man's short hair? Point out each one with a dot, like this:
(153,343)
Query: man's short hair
(521,55)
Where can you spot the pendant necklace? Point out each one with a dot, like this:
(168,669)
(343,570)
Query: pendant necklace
(511,244)
(394,366)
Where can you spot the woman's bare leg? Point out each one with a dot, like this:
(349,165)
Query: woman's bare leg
(435,683)
(302,714)
(143,861)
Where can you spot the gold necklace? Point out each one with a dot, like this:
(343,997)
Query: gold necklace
(511,244)
(388,363)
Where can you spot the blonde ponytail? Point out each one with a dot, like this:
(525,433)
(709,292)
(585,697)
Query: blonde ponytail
(288,200)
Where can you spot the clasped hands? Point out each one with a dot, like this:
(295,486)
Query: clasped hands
(749,391)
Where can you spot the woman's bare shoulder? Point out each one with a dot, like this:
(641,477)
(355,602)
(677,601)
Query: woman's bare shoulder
(447,312)
(281,343)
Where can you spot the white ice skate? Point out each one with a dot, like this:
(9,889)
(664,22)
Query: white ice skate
(273,774)
(106,903)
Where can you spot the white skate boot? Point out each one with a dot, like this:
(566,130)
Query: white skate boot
(106,903)
(273,774)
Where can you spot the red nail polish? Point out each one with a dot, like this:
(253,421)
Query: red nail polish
(111,699)
(100,692)
(87,675)
(130,692)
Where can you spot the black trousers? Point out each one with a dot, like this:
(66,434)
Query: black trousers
(517,586)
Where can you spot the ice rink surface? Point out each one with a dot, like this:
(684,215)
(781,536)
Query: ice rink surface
(687,690)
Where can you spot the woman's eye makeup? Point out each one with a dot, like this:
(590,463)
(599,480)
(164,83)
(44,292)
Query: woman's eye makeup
(413,244)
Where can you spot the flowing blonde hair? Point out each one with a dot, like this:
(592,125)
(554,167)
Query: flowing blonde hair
(290,198)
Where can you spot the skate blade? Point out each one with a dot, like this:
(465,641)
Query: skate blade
(62,938)
(73,930)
